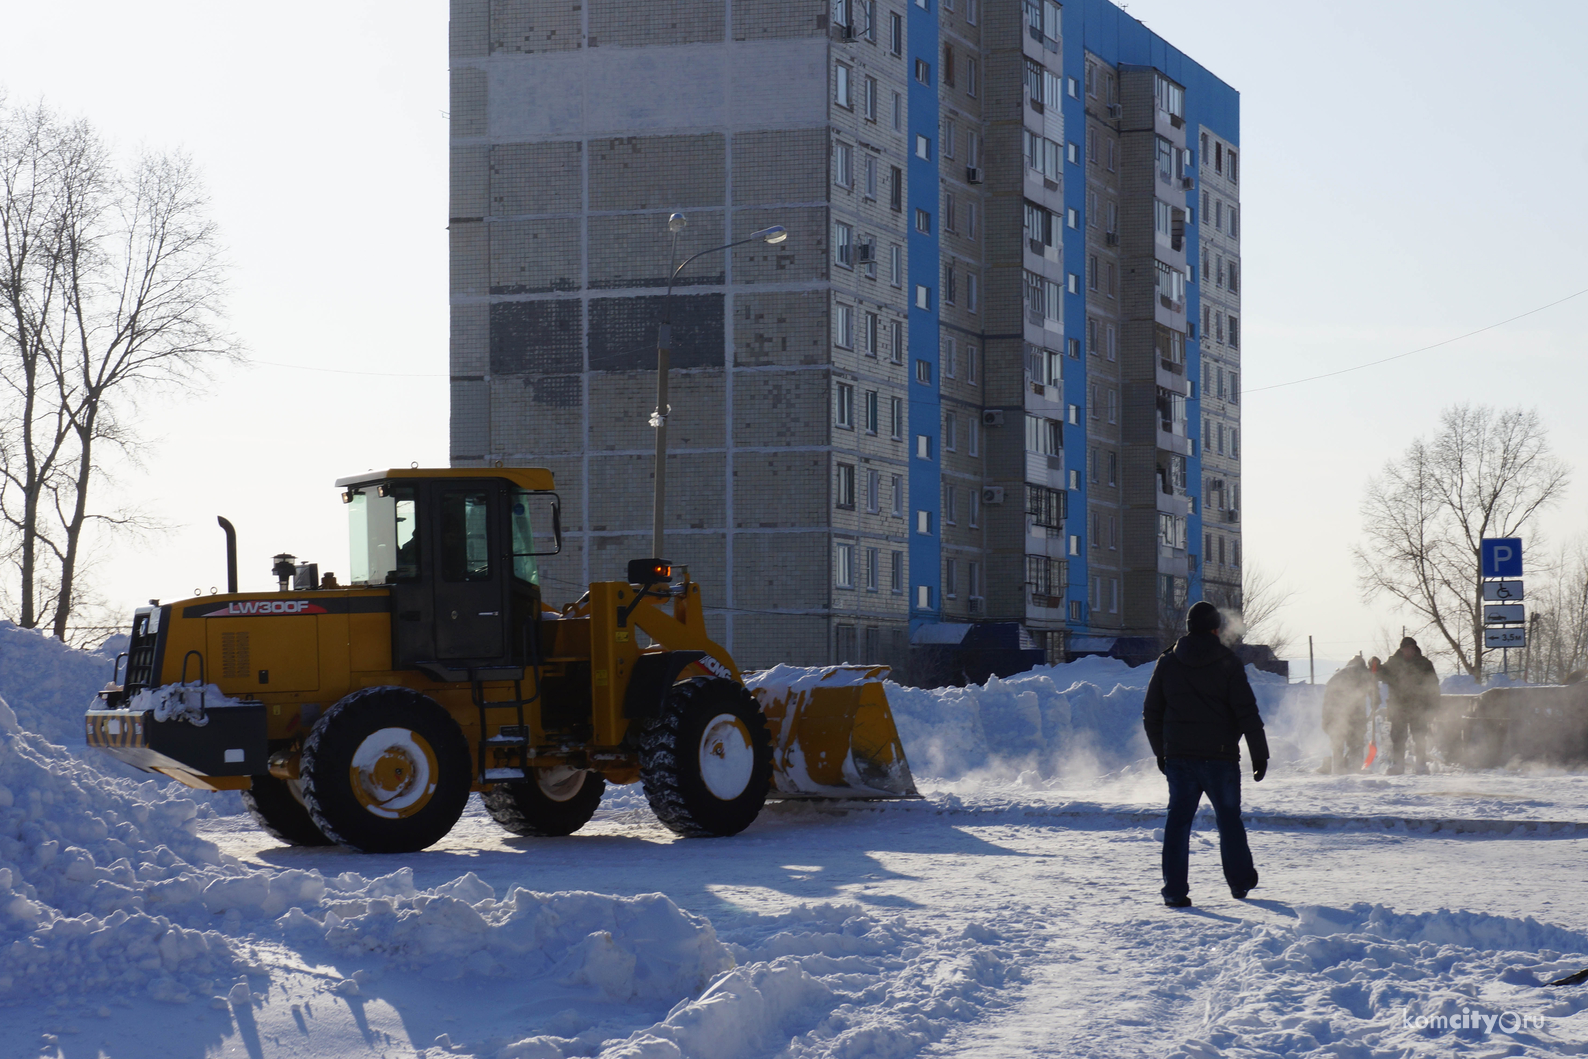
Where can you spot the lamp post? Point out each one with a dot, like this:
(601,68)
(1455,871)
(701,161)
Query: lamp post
(664,348)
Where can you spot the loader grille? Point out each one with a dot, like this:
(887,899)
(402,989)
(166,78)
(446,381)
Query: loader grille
(143,652)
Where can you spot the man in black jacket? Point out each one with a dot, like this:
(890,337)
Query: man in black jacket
(1413,700)
(1198,706)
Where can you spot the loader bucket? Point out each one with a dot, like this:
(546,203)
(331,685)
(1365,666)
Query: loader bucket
(832,733)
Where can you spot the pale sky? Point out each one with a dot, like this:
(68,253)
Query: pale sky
(1408,174)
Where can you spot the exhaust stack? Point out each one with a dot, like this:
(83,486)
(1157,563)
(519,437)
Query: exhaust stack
(231,553)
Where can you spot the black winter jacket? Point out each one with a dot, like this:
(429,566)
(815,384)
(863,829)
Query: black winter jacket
(1199,703)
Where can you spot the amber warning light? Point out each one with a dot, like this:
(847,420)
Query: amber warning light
(650,571)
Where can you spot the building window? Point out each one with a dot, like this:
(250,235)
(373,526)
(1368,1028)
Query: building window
(950,506)
(844,576)
(923,147)
(923,372)
(972,364)
(950,577)
(897,344)
(843,244)
(841,86)
(970,219)
(1046,507)
(972,78)
(872,414)
(898,498)
(1073,284)
(923,523)
(923,297)
(1112,345)
(1113,531)
(923,71)
(871,178)
(873,491)
(972,294)
(844,165)
(1044,576)
(973,435)
(950,285)
(949,358)
(896,266)
(846,406)
(896,420)
(923,447)
(950,432)
(975,508)
(869,335)
(895,33)
(1044,435)
(923,597)
(1091,272)
(844,325)
(1113,279)
(1113,468)
(846,486)
(898,112)
(948,211)
(1113,405)
(923,222)
(873,578)
(871,99)
(948,65)
(1235,332)
(895,188)
(896,574)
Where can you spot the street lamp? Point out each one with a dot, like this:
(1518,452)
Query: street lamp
(664,347)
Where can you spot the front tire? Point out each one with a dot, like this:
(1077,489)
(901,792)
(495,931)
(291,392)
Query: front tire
(706,760)
(552,802)
(280,814)
(386,770)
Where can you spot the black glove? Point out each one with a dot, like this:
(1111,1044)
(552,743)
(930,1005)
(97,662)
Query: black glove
(1259,770)
(1162,767)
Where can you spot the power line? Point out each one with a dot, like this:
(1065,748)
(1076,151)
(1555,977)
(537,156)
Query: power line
(1422,349)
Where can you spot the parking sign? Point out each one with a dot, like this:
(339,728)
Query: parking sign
(1501,557)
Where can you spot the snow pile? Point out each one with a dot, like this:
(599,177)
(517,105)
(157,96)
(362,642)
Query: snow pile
(1076,718)
(816,980)
(619,947)
(49,684)
(97,877)
(1390,978)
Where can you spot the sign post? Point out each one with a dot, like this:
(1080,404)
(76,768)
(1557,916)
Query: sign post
(1504,616)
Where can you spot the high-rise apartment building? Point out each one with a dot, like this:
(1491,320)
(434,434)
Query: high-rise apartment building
(992,375)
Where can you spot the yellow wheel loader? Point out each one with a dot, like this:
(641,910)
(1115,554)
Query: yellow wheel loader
(365,714)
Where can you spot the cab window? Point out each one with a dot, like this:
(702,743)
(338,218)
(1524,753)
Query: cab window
(383,535)
(524,566)
(465,537)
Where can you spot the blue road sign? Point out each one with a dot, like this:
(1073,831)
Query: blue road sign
(1501,556)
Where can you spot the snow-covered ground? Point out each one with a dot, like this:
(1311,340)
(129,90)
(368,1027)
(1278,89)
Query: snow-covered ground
(1012,911)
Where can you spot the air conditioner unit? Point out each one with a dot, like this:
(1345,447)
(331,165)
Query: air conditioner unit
(1037,246)
(992,494)
(1187,182)
(845,33)
(978,605)
(992,417)
(973,174)
(1115,110)
(865,253)
(1111,238)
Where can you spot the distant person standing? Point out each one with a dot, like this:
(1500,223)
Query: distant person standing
(1199,705)
(1413,697)
(1348,698)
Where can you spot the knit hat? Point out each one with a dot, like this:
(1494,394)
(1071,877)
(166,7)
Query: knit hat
(1203,617)
(1407,641)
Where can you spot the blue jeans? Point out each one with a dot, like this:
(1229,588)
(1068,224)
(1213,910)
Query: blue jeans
(1189,779)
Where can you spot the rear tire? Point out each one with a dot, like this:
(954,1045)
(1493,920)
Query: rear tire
(706,760)
(552,802)
(386,770)
(280,814)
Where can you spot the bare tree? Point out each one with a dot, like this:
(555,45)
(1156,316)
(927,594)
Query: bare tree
(110,286)
(1557,646)
(1486,473)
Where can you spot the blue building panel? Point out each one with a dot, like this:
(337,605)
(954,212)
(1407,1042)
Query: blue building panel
(925,403)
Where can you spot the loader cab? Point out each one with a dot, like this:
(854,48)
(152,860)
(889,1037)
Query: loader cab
(458,549)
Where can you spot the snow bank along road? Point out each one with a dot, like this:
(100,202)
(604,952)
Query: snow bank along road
(1012,912)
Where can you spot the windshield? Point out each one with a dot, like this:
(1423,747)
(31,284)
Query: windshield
(383,537)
